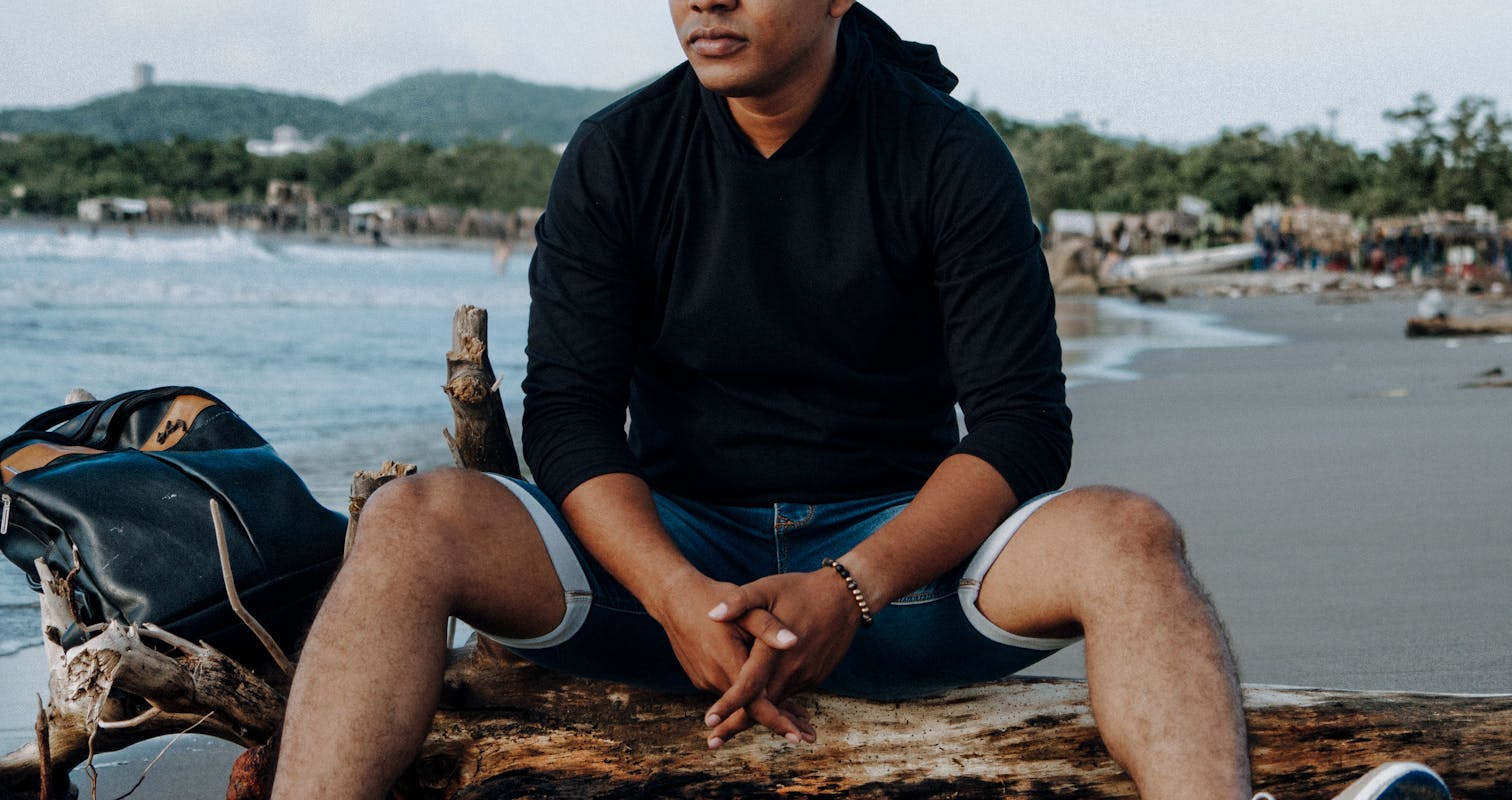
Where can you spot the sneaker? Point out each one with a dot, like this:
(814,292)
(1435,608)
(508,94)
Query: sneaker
(1397,780)
(1394,780)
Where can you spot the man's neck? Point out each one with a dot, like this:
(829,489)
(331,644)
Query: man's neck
(769,121)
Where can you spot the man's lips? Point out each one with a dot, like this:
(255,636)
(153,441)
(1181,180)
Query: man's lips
(715,42)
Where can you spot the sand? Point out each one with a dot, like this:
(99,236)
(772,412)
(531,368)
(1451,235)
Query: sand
(1347,504)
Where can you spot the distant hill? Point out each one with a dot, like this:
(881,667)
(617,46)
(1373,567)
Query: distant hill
(437,107)
(444,107)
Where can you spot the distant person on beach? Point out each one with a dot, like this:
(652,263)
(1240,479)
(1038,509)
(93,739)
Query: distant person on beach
(790,259)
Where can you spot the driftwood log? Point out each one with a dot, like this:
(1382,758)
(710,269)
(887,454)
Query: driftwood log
(1459,326)
(482,441)
(510,729)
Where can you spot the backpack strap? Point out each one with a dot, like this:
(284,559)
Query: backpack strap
(47,419)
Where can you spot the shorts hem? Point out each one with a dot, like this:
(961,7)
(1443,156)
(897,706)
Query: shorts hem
(570,573)
(971,581)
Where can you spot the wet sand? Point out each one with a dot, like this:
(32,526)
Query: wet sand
(1346,502)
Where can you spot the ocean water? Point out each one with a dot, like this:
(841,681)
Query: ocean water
(336,354)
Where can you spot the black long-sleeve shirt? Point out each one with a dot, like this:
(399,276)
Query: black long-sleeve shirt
(796,328)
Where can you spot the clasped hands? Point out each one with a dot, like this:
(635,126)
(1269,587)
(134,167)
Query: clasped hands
(759,644)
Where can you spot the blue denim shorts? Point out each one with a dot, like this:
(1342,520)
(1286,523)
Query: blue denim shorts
(928,641)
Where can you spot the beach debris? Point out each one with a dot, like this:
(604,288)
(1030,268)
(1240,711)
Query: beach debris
(129,683)
(483,440)
(1432,305)
(1446,326)
(1493,378)
(364,483)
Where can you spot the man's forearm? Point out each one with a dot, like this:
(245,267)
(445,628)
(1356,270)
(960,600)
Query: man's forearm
(962,503)
(614,517)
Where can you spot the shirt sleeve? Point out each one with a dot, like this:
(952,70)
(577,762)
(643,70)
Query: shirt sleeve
(999,311)
(582,334)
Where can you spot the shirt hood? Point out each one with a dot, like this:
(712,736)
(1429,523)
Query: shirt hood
(921,60)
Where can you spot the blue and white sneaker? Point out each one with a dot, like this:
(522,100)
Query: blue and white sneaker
(1394,780)
(1397,780)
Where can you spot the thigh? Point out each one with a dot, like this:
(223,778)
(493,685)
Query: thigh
(937,638)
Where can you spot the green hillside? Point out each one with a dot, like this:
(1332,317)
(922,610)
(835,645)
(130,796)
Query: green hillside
(440,108)
(200,112)
(445,107)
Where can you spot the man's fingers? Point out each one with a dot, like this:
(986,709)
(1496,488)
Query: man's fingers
(761,711)
(748,685)
(800,716)
(765,626)
(737,602)
(738,721)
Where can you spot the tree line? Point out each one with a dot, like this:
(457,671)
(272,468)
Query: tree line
(47,174)
(1445,158)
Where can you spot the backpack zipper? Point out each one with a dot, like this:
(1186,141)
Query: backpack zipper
(4,513)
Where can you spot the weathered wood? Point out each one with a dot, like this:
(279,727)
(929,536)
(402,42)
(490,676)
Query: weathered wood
(129,683)
(483,439)
(547,736)
(1459,326)
(364,483)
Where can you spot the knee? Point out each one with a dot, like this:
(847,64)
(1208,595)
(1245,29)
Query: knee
(434,513)
(1122,528)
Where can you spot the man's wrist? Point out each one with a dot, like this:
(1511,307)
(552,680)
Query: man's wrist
(672,590)
(852,588)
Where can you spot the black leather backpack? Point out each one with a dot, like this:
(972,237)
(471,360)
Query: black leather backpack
(127,482)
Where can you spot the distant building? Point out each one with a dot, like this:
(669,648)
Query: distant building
(102,209)
(142,75)
(286,140)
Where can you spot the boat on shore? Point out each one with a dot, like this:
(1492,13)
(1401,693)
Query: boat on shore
(1184,262)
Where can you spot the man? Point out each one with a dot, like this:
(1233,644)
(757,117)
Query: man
(790,259)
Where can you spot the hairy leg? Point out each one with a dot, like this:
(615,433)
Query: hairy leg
(445,543)
(1111,564)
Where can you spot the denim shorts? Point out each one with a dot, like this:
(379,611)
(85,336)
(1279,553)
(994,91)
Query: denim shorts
(928,641)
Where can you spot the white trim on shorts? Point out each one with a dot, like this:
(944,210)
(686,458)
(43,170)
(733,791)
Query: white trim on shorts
(564,560)
(971,580)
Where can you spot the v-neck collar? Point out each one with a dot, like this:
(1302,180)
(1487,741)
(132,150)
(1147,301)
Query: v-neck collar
(851,51)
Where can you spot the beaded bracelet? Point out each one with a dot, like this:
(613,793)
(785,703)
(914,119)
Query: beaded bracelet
(850,583)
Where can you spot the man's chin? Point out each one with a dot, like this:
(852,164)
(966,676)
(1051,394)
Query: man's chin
(725,83)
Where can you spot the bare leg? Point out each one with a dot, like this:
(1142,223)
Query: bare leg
(1159,670)
(443,543)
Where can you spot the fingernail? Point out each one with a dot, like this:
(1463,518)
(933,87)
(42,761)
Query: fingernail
(719,611)
(795,738)
(711,720)
(715,742)
(786,636)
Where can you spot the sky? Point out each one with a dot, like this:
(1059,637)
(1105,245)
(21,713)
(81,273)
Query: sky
(1174,72)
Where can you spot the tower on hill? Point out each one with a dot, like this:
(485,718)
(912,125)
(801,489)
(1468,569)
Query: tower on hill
(142,75)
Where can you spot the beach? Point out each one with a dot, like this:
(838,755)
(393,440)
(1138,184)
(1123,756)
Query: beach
(1345,500)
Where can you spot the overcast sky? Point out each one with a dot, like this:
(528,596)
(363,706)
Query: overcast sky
(1172,71)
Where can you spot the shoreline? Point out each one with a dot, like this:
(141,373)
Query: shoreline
(76,227)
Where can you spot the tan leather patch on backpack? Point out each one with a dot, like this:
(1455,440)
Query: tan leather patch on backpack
(176,421)
(37,455)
